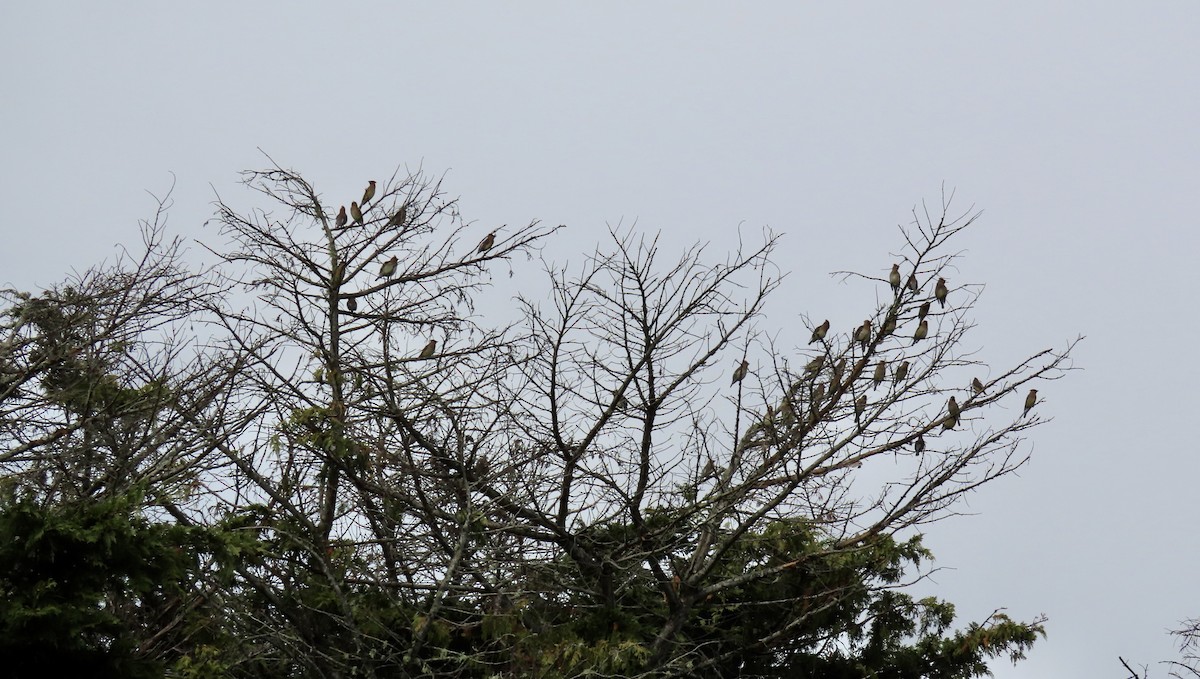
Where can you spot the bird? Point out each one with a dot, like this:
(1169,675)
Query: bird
(860,405)
(369,193)
(901,372)
(894,278)
(863,334)
(621,401)
(922,331)
(820,331)
(739,373)
(940,291)
(889,326)
(977,385)
(710,469)
(880,373)
(1030,401)
(339,271)
(949,422)
(351,304)
(398,218)
(923,311)
(912,282)
(919,444)
(952,408)
(341,218)
(838,369)
(427,351)
(388,269)
(815,365)
(818,395)
(356,213)
(487,243)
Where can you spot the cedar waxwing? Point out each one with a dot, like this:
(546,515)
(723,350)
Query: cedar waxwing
(880,373)
(815,365)
(339,271)
(912,282)
(351,304)
(487,243)
(922,331)
(398,218)
(430,347)
(355,213)
(739,373)
(940,291)
(1030,401)
(952,408)
(837,374)
(341,218)
(901,372)
(818,395)
(889,326)
(863,334)
(622,402)
(923,311)
(820,331)
(860,405)
(369,193)
(977,386)
(949,422)
(894,278)
(919,444)
(388,269)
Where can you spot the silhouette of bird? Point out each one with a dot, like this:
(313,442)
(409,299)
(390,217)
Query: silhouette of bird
(820,331)
(815,365)
(388,269)
(922,331)
(339,272)
(739,373)
(880,373)
(889,326)
(977,386)
(838,369)
(940,291)
(860,406)
(1030,401)
(351,304)
(949,422)
(894,278)
(863,334)
(487,243)
(952,408)
(427,351)
(397,219)
(622,402)
(369,193)
(355,213)
(923,311)
(919,444)
(912,282)
(901,372)
(341,218)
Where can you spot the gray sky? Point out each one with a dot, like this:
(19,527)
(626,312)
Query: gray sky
(1073,126)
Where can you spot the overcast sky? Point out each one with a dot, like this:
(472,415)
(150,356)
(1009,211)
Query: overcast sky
(1076,129)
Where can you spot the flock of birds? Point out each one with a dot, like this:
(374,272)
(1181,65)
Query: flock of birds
(862,335)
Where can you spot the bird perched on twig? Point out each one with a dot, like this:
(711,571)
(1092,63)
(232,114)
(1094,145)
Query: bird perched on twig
(739,373)
(1030,401)
(398,218)
(815,365)
(487,243)
(889,326)
(880,373)
(341,219)
(368,193)
(429,348)
(923,311)
(355,213)
(919,444)
(820,331)
(351,304)
(860,406)
(977,386)
(901,372)
(922,331)
(388,269)
(863,334)
(940,291)
(912,282)
(894,278)
(952,408)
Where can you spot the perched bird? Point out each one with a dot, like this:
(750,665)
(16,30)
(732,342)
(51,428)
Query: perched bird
(710,469)
(912,282)
(863,334)
(739,373)
(820,331)
(952,408)
(356,213)
(341,218)
(901,372)
(860,405)
(351,304)
(815,365)
(880,373)
(818,395)
(400,215)
(940,291)
(622,401)
(949,422)
(922,331)
(339,271)
(838,369)
(919,444)
(1030,401)
(369,193)
(388,269)
(894,278)
(923,311)
(977,386)
(427,351)
(487,243)
(889,326)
